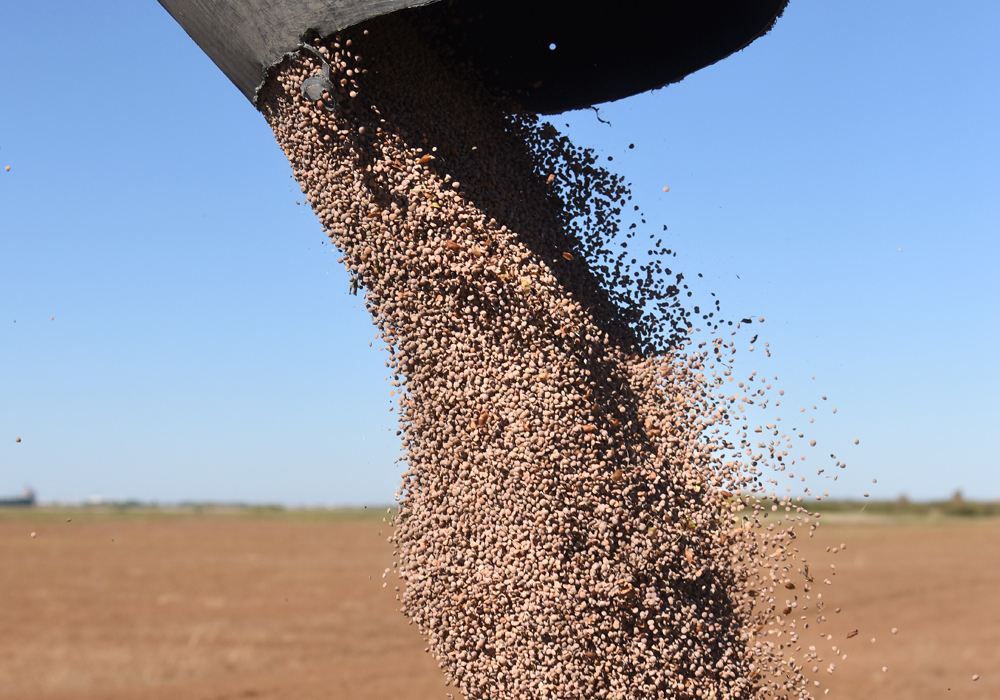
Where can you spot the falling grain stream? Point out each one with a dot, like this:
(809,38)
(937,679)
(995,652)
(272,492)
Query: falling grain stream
(570,525)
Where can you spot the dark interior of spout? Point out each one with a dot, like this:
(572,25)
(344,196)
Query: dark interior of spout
(551,55)
(565,54)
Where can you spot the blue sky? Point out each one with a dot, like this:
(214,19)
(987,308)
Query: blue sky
(204,345)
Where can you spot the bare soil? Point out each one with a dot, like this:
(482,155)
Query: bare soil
(271,605)
(936,580)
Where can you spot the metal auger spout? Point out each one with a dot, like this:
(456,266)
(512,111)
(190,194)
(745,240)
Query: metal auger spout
(550,55)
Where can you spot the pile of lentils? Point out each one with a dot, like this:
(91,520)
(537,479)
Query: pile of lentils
(575,520)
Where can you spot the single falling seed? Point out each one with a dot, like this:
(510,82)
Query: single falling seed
(856,441)
(7,168)
(32,534)
(665,189)
(852,633)
(885,669)
(425,158)
(550,179)
(568,256)
(895,630)
(874,481)
(812,443)
(975,677)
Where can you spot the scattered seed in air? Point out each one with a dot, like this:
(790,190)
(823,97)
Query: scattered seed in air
(512,364)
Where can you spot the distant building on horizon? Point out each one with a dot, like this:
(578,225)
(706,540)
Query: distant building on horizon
(25,500)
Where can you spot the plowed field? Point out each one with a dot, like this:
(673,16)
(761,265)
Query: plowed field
(150,604)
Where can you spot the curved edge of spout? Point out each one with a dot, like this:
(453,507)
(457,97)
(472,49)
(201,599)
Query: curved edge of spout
(246,38)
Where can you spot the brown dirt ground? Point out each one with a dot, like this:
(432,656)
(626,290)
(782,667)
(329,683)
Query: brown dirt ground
(283,606)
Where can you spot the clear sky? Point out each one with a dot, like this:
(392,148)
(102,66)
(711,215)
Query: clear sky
(840,177)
